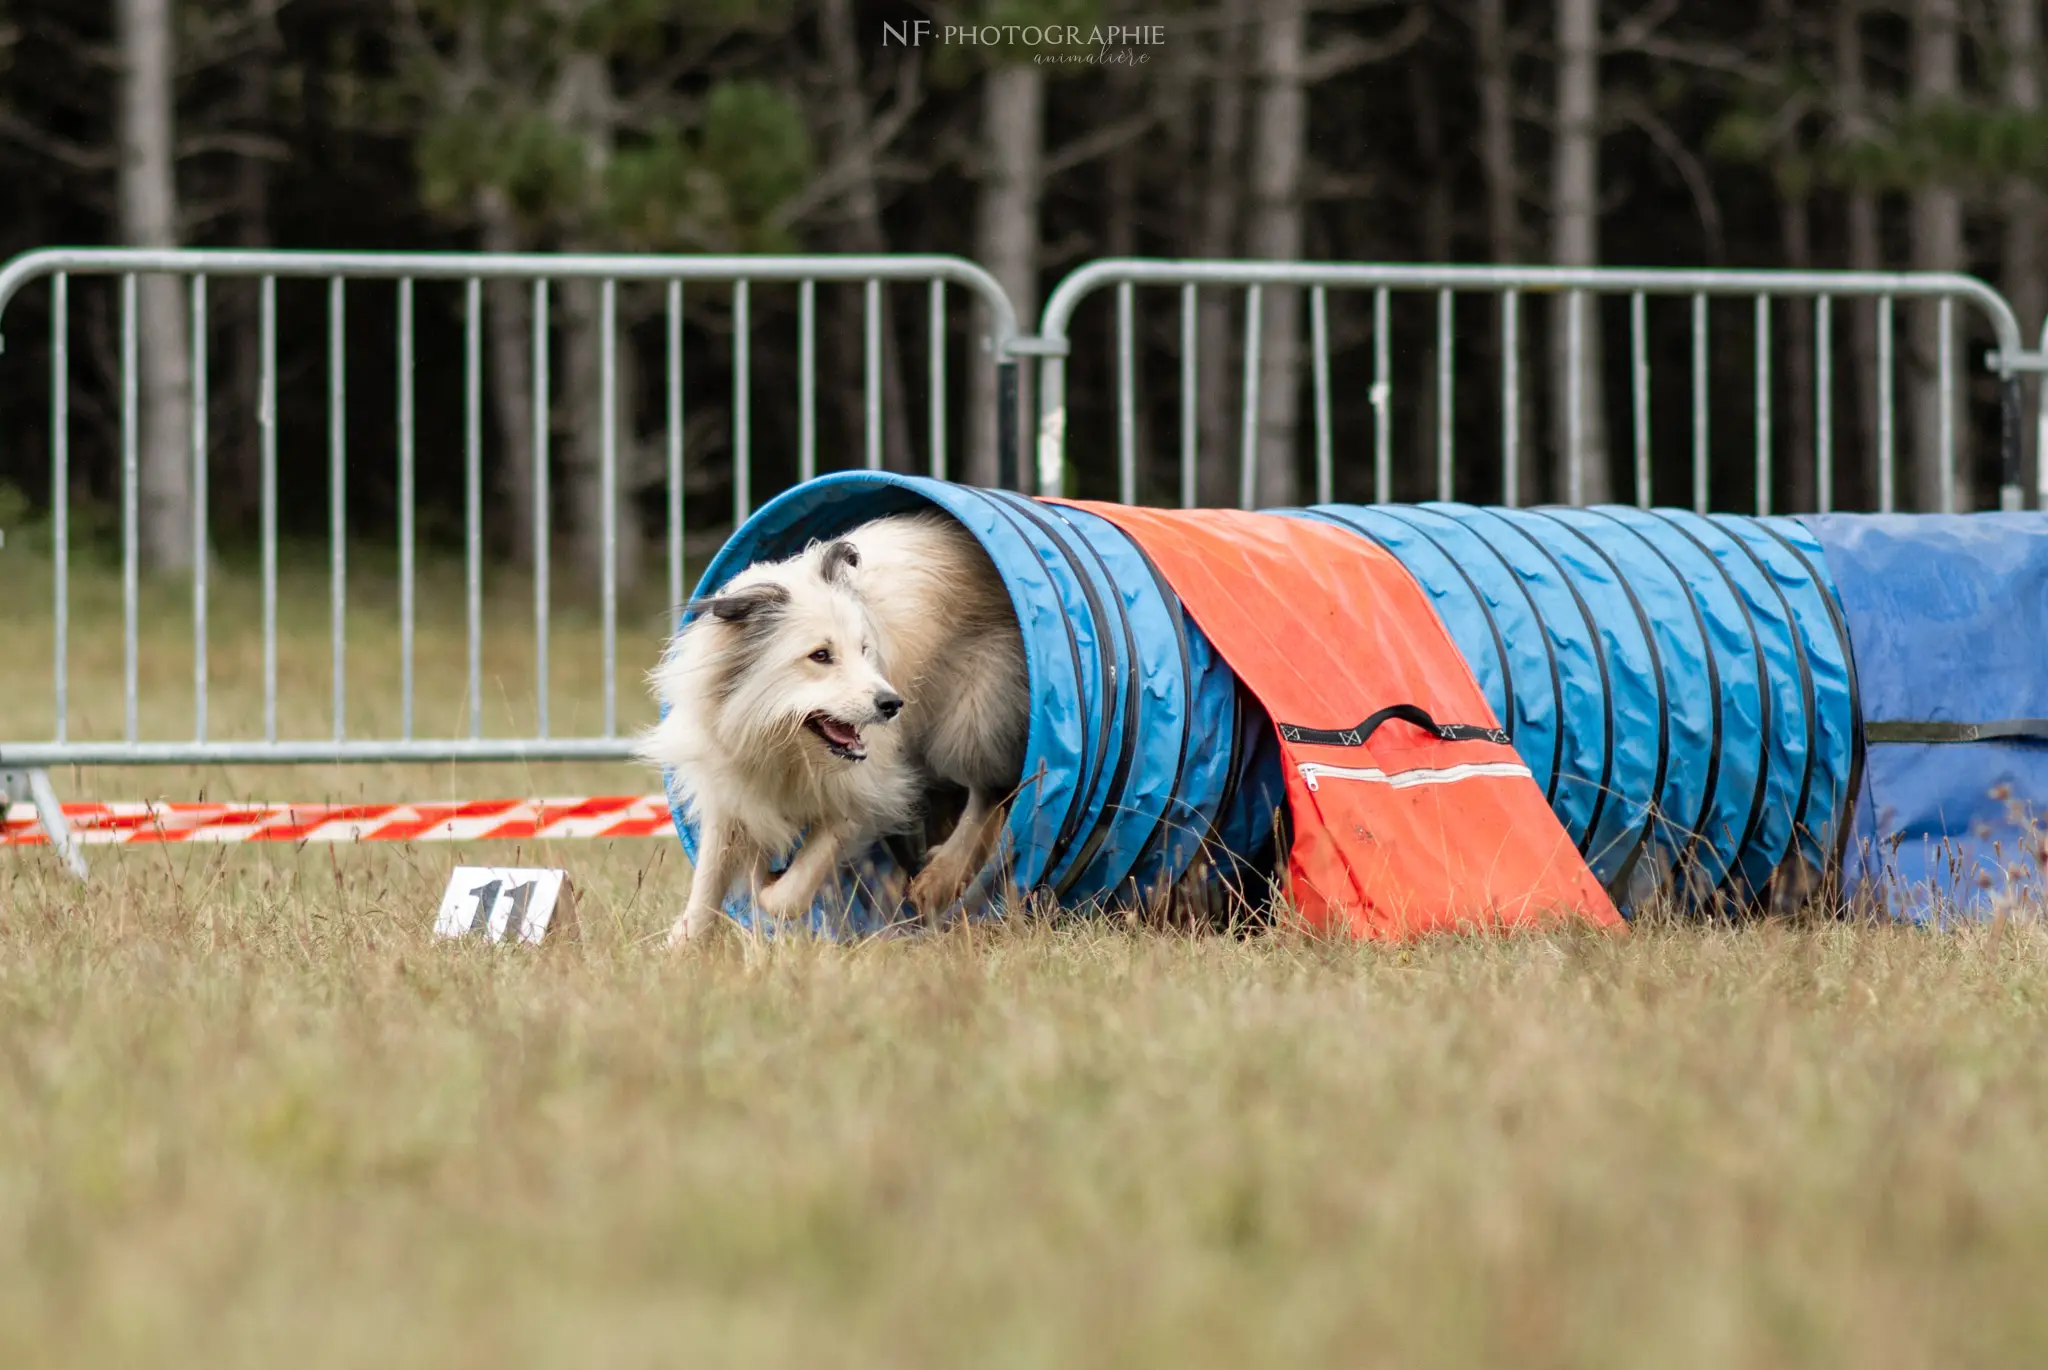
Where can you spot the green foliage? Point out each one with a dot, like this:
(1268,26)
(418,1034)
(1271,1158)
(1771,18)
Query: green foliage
(754,141)
(1949,142)
(1744,134)
(678,171)
(714,188)
(536,165)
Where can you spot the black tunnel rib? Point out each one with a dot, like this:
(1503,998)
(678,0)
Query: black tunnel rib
(1113,795)
(1606,780)
(1806,689)
(1765,708)
(1085,783)
(1710,788)
(1628,864)
(1847,808)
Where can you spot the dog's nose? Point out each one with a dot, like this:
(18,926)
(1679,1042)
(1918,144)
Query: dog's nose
(888,703)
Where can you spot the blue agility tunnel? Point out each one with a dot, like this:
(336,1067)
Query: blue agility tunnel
(1949,618)
(1691,693)
(1680,686)
(1143,748)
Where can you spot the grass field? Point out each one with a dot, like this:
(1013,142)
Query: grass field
(251,1114)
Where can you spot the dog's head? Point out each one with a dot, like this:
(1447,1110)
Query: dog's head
(798,660)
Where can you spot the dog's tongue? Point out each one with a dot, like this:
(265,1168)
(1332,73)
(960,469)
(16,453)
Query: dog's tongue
(838,733)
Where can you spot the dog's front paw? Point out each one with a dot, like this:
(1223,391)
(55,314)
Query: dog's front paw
(693,926)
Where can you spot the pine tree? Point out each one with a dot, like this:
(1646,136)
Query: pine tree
(567,124)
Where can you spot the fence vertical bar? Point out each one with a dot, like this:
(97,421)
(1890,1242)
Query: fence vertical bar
(266,421)
(1189,423)
(1575,397)
(407,486)
(935,372)
(1050,468)
(473,491)
(2041,433)
(1248,430)
(608,490)
(1126,400)
(60,493)
(1511,397)
(1382,399)
(1639,396)
(337,496)
(1823,404)
(807,380)
(675,442)
(1699,404)
(871,356)
(1444,372)
(1945,404)
(1763,404)
(543,549)
(200,496)
(1886,438)
(1319,346)
(130,505)
(742,414)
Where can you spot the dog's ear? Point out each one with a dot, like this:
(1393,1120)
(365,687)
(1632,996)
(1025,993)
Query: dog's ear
(840,557)
(742,605)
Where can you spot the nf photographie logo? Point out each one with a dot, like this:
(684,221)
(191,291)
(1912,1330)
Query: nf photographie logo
(1119,43)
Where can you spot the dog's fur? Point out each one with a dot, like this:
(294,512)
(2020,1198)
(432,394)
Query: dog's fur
(824,697)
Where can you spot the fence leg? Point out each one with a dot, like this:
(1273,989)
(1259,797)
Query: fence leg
(34,787)
(1008,394)
(2011,494)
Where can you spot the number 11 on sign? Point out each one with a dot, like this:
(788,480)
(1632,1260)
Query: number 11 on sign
(504,904)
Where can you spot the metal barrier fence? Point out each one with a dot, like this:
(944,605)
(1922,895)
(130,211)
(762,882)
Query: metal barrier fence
(1510,284)
(27,758)
(24,762)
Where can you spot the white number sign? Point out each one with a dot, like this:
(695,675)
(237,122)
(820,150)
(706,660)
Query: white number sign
(505,904)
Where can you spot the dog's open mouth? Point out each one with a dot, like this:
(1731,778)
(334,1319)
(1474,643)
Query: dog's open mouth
(841,739)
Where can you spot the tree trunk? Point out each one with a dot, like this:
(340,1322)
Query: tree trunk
(1795,226)
(1503,217)
(1865,254)
(149,218)
(1279,150)
(1497,130)
(863,234)
(1120,239)
(1795,472)
(510,322)
(585,97)
(1575,241)
(1436,247)
(2026,274)
(1006,242)
(1217,237)
(237,489)
(1937,246)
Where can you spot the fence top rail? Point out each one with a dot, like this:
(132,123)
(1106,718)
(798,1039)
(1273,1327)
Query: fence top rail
(1605,280)
(231,262)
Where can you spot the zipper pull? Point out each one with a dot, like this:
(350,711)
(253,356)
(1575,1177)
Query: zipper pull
(1308,775)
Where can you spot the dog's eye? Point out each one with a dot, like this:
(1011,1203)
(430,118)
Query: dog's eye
(823,656)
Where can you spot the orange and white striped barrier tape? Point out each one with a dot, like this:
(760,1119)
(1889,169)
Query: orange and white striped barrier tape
(470,821)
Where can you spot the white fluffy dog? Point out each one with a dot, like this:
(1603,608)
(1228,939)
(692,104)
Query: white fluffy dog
(822,697)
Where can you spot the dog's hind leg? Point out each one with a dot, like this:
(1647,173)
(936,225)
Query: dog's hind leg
(721,850)
(954,862)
